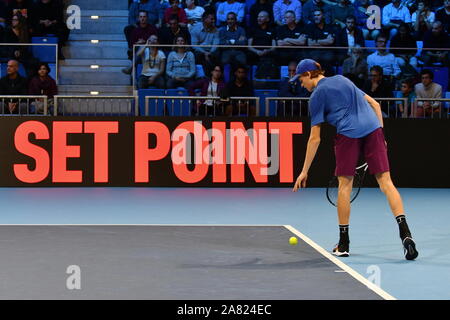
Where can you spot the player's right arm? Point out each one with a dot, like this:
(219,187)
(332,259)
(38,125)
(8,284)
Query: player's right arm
(376,107)
(311,150)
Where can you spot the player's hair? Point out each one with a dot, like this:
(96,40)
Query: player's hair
(314,73)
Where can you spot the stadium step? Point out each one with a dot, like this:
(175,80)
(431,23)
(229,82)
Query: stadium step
(100,5)
(94,52)
(86,75)
(83,90)
(106,25)
(100,62)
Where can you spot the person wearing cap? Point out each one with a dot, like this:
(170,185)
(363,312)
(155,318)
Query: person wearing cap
(359,124)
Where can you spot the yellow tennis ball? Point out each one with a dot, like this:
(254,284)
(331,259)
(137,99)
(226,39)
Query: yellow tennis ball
(293,241)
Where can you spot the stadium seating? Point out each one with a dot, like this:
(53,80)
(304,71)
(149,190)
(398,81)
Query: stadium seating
(178,107)
(263,94)
(441,76)
(154,108)
(44,53)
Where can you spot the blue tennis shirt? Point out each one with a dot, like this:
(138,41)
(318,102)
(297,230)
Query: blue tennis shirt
(339,102)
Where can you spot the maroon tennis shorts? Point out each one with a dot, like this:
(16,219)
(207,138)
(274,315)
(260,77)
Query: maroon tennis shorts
(348,151)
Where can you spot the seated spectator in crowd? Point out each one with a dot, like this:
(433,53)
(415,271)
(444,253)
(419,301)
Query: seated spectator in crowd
(261,35)
(404,39)
(23,7)
(436,38)
(13,84)
(232,35)
(175,10)
(393,14)
(256,8)
(154,15)
(428,89)
(361,14)
(18,33)
(142,32)
(180,66)
(321,34)
(294,89)
(406,91)
(194,12)
(340,12)
(377,87)
(230,6)
(355,67)
(153,65)
(206,33)
(350,36)
(209,87)
(422,20)
(240,86)
(280,7)
(384,59)
(443,15)
(48,18)
(293,35)
(168,34)
(152,9)
(43,85)
(311,6)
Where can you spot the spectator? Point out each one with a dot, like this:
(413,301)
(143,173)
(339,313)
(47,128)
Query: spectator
(355,67)
(293,89)
(293,35)
(154,63)
(256,8)
(154,16)
(240,86)
(180,66)
(206,33)
(436,38)
(230,6)
(142,32)
(321,34)
(349,36)
(175,10)
(406,91)
(361,19)
(48,18)
(168,34)
(209,87)
(311,6)
(393,14)
(24,7)
(377,87)
(427,89)
(422,20)
(340,12)
(232,35)
(443,15)
(18,33)
(43,84)
(385,60)
(404,39)
(13,85)
(193,12)
(280,7)
(262,35)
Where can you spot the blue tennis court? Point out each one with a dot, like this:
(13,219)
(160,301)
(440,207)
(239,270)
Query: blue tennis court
(376,251)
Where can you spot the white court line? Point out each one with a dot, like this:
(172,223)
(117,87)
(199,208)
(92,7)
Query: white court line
(342,265)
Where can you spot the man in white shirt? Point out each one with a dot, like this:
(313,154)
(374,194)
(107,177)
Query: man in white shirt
(382,58)
(230,6)
(393,14)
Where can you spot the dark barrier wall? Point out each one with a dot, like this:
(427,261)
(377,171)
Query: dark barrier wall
(266,152)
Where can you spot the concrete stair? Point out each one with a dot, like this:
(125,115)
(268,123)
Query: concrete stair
(76,77)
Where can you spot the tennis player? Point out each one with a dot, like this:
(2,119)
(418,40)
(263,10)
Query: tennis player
(359,123)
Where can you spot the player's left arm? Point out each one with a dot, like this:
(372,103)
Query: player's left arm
(311,150)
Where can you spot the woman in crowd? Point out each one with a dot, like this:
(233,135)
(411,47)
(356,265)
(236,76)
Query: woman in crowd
(180,65)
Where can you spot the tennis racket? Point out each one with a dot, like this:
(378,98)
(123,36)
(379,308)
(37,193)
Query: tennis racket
(358,179)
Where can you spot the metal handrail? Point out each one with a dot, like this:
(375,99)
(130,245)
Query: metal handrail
(135,98)
(440,108)
(26,97)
